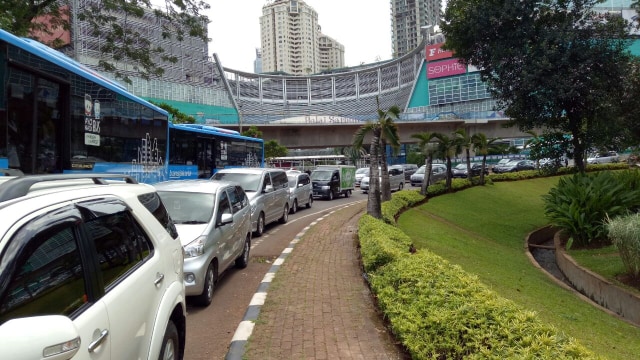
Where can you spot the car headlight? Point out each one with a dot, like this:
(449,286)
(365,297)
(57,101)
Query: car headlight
(195,248)
(326,187)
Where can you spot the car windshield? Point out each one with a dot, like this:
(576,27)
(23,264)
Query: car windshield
(513,163)
(293,180)
(249,182)
(321,175)
(188,207)
(461,167)
(420,170)
(362,171)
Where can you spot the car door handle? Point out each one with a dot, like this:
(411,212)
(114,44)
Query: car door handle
(97,342)
(159,278)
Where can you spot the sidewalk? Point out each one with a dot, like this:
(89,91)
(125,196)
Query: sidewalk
(317,305)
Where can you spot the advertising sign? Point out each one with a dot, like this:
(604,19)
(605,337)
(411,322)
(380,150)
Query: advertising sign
(445,68)
(435,52)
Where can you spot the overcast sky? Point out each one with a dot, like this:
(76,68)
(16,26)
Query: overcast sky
(362,26)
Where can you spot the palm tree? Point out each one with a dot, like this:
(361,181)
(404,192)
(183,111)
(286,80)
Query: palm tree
(465,141)
(385,131)
(482,145)
(426,147)
(449,147)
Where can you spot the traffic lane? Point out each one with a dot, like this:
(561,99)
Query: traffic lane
(210,329)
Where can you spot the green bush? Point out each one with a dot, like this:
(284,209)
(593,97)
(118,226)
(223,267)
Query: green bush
(380,243)
(579,205)
(400,200)
(624,232)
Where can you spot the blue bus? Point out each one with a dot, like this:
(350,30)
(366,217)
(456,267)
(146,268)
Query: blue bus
(57,116)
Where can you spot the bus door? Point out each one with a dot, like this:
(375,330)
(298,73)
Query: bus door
(34,125)
(206,157)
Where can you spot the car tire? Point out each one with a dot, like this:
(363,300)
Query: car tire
(330,195)
(170,343)
(243,260)
(209,287)
(401,186)
(347,193)
(310,202)
(294,206)
(285,215)
(260,226)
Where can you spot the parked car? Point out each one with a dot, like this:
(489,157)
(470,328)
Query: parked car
(268,192)
(603,158)
(460,170)
(300,192)
(396,179)
(500,163)
(213,219)
(91,268)
(515,165)
(360,173)
(409,169)
(438,172)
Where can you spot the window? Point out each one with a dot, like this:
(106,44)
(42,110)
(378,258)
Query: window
(223,206)
(153,203)
(47,276)
(237,198)
(120,244)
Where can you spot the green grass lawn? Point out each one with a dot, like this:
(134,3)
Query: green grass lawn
(483,228)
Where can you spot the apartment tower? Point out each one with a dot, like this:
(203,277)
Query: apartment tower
(290,39)
(410,19)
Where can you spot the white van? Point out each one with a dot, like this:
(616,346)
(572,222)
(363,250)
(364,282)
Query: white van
(396,179)
(268,192)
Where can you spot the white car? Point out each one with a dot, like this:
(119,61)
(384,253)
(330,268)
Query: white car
(90,268)
(213,219)
(300,192)
(603,158)
(396,179)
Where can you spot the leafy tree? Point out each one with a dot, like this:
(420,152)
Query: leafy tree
(253,131)
(550,64)
(273,149)
(177,116)
(449,146)
(113,21)
(351,153)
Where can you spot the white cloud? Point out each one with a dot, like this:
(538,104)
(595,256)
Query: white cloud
(362,26)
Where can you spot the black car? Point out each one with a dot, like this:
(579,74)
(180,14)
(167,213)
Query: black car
(409,169)
(460,171)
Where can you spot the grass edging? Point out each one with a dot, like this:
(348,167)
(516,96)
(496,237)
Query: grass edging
(436,310)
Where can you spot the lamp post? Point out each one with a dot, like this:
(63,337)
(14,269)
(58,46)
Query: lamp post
(426,32)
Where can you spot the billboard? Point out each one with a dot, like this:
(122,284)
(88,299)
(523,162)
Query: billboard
(435,52)
(445,68)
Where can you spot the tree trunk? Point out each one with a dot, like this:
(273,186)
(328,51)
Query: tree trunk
(468,152)
(428,162)
(484,166)
(385,186)
(448,182)
(374,207)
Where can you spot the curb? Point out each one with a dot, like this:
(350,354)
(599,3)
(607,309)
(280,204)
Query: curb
(245,328)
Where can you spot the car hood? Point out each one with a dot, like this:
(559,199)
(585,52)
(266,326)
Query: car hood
(189,232)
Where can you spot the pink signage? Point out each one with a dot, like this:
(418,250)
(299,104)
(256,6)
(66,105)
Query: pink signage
(435,52)
(445,68)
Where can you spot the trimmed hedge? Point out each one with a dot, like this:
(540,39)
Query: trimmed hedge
(437,310)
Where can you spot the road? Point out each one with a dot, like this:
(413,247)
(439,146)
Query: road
(210,329)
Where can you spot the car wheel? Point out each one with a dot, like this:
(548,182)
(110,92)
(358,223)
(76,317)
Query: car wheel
(170,343)
(401,186)
(347,193)
(285,215)
(330,195)
(210,278)
(243,260)
(260,226)
(294,206)
(310,202)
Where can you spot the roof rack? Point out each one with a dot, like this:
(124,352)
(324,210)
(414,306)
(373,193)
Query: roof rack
(20,186)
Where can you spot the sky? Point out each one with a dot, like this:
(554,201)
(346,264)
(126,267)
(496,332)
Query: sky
(362,26)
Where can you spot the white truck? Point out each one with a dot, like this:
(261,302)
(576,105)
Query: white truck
(330,181)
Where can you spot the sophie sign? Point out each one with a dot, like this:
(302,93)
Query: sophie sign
(445,68)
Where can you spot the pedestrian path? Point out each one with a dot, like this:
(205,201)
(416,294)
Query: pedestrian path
(316,304)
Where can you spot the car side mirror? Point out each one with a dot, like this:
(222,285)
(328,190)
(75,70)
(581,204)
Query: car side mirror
(225,219)
(52,337)
(268,188)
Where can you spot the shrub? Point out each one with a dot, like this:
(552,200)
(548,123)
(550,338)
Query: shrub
(380,243)
(624,232)
(579,205)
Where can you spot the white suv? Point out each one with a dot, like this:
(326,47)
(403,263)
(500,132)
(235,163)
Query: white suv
(90,268)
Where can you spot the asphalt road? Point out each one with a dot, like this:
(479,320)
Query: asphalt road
(210,329)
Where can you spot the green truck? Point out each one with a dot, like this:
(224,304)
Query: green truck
(330,181)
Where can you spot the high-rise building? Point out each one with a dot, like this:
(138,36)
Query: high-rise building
(331,53)
(290,38)
(410,19)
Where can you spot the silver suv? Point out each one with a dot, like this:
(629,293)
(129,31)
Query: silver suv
(396,179)
(213,219)
(268,192)
(90,268)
